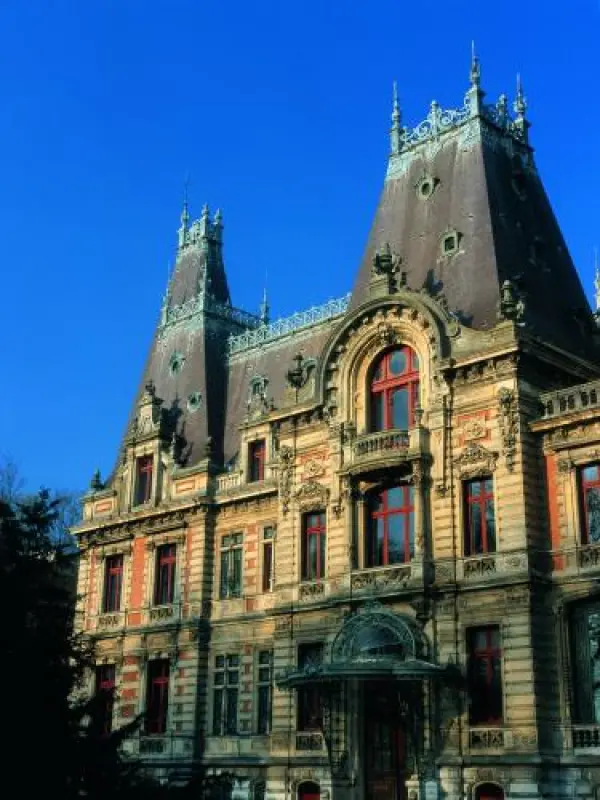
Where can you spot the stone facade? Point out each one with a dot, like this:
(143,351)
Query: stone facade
(229,622)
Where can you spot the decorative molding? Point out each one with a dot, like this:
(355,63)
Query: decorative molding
(311,591)
(312,496)
(313,469)
(475,460)
(286,468)
(508,419)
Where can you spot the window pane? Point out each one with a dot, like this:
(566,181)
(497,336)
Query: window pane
(224,573)
(236,582)
(395,554)
(592,502)
(311,559)
(475,524)
(395,497)
(490,522)
(474,488)
(231,710)
(218,712)
(399,408)
(410,521)
(398,362)
(377,417)
(322,556)
(267,566)
(590,473)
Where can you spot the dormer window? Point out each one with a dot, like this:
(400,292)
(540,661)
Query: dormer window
(395,390)
(143,480)
(256,461)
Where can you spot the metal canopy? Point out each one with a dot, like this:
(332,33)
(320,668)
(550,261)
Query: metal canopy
(365,669)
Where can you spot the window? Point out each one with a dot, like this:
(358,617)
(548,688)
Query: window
(395,390)
(143,480)
(314,537)
(225,699)
(260,790)
(256,458)
(450,243)
(157,696)
(310,707)
(391,527)
(231,565)
(589,479)
(485,676)
(480,518)
(267,559)
(264,689)
(105,693)
(585,651)
(489,791)
(113,583)
(164,584)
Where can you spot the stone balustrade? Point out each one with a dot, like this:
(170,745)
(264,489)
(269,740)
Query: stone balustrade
(586,737)
(381,443)
(568,401)
(160,746)
(229,481)
(580,560)
(482,567)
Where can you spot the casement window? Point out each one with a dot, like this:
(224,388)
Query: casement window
(226,694)
(264,689)
(105,697)
(479,517)
(585,660)
(310,706)
(395,390)
(589,502)
(231,565)
(157,696)
(314,546)
(143,480)
(113,583)
(390,527)
(256,460)
(164,581)
(268,564)
(485,676)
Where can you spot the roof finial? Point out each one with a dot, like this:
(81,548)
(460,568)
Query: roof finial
(185,215)
(264,308)
(396,130)
(521,125)
(475,67)
(597,279)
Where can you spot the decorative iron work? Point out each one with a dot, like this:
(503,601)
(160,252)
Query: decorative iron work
(282,327)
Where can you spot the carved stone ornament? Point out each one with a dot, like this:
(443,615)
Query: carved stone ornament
(286,467)
(312,496)
(475,460)
(313,469)
(508,420)
(386,335)
(473,429)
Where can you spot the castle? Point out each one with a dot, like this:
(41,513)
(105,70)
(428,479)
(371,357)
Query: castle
(355,553)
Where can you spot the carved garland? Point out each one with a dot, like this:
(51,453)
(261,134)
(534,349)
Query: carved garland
(508,419)
(286,468)
(312,496)
(475,460)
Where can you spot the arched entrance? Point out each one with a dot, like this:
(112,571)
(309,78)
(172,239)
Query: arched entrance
(489,791)
(309,791)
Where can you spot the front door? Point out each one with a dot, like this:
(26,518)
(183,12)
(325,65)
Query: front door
(385,750)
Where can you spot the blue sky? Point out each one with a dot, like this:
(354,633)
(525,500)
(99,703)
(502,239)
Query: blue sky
(279,111)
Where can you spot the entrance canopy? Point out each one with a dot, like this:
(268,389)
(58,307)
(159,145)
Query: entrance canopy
(373,644)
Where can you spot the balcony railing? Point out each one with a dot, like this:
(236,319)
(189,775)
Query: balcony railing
(372,445)
(576,560)
(586,737)
(232,480)
(309,741)
(486,738)
(482,567)
(568,401)
(163,747)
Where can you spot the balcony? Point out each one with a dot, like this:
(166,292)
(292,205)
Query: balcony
(584,397)
(487,739)
(385,448)
(586,739)
(161,748)
(576,561)
(473,569)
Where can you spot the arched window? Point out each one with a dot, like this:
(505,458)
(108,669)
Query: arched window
(390,527)
(309,791)
(395,390)
(489,791)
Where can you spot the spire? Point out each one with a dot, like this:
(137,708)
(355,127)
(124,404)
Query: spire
(185,216)
(521,124)
(264,308)
(475,68)
(396,129)
(597,280)
(475,95)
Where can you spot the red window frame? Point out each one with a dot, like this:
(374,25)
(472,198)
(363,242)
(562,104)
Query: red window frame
(143,479)
(257,457)
(386,512)
(164,584)
(587,484)
(482,696)
(157,696)
(314,526)
(479,499)
(385,382)
(105,688)
(113,583)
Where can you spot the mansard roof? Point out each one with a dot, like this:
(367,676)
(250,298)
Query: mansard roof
(464,209)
